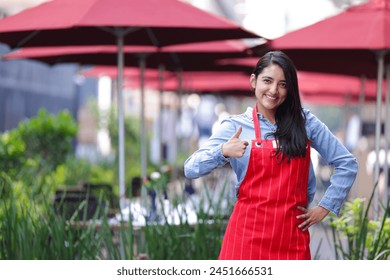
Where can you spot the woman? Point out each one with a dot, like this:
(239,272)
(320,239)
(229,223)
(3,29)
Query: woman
(268,147)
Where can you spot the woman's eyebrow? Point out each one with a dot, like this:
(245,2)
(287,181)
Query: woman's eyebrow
(268,77)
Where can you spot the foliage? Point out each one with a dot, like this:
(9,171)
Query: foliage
(48,137)
(29,154)
(30,233)
(35,161)
(12,150)
(72,171)
(37,157)
(356,237)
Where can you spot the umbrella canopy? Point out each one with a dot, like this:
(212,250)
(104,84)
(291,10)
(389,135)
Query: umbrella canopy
(90,22)
(330,100)
(354,40)
(197,56)
(128,72)
(197,81)
(121,22)
(317,83)
(101,54)
(335,61)
(329,85)
(206,81)
(364,27)
(314,87)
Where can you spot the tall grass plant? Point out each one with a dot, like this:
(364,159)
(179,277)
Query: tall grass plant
(356,236)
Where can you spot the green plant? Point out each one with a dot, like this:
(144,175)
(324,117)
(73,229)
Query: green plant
(29,233)
(49,136)
(356,237)
(72,171)
(12,150)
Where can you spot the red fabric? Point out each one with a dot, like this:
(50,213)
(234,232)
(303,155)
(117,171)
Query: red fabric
(189,56)
(128,72)
(330,85)
(366,26)
(263,224)
(75,22)
(152,13)
(230,48)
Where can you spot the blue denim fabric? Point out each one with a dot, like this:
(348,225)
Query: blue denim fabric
(209,156)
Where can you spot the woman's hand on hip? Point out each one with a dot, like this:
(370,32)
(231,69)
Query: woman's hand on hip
(311,216)
(235,147)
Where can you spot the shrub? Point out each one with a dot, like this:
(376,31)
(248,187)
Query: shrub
(356,237)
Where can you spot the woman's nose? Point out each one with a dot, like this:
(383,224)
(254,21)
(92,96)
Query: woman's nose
(273,88)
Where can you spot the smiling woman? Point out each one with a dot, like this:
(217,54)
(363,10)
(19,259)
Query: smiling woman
(268,148)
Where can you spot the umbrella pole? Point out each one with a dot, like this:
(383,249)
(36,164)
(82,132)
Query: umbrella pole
(142,65)
(121,136)
(362,98)
(387,131)
(160,120)
(380,58)
(177,145)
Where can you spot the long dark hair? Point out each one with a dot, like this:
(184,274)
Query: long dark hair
(290,120)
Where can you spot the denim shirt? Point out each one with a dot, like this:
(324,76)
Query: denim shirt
(209,156)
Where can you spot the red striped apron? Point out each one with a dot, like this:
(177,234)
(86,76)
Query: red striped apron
(263,224)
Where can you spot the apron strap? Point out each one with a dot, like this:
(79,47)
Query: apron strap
(256,125)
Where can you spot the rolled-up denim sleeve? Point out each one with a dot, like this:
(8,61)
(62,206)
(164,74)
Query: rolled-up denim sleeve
(209,156)
(336,155)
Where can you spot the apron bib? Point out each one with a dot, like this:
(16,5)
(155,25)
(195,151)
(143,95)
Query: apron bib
(263,224)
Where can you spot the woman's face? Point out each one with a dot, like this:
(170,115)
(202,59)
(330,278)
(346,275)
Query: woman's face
(270,90)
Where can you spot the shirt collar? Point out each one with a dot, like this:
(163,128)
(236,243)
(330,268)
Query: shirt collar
(249,111)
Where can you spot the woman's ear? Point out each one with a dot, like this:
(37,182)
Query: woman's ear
(252,81)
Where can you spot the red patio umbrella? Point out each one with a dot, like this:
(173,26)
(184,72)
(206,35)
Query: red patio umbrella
(316,83)
(121,22)
(323,84)
(315,87)
(190,56)
(128,72)
(331,100)
(356,39)
(206,81)
(93,22)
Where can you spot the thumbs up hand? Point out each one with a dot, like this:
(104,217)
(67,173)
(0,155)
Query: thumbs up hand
(234,147)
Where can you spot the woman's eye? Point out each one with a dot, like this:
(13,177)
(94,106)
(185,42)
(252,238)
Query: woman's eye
(267,81)
(283,85)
